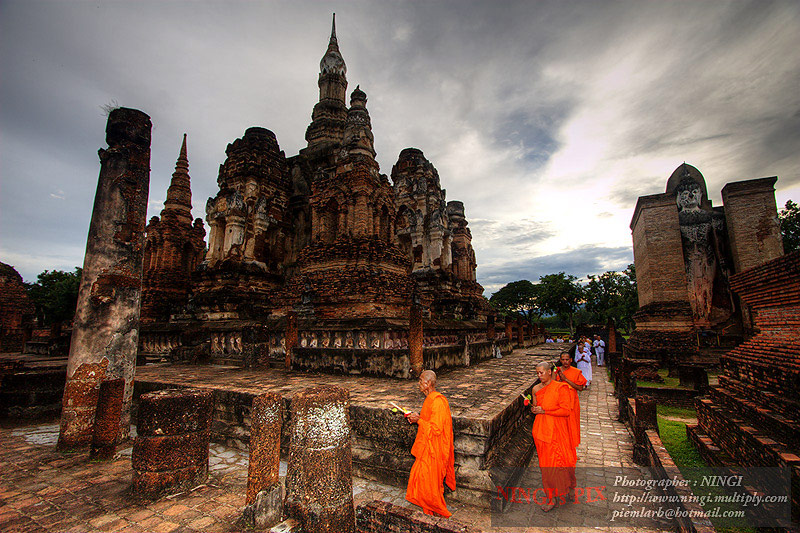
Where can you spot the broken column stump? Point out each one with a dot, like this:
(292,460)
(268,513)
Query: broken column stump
(106,324)
(171,450)
(106,422)
(264,504)
(79,405)
(319,482)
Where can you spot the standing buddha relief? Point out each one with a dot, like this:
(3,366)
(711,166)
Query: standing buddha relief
(703,239)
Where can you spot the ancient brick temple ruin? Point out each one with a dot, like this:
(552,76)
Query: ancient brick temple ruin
(750,418)
(321,239)
(16,311)
(685,251)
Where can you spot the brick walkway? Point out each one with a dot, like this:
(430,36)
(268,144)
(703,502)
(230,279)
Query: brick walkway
(43,490)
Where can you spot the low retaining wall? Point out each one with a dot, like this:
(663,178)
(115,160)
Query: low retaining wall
(663,467)
(670,396)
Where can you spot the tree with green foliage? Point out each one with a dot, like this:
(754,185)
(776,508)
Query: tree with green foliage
(789,219)
(560,294)
(518,297)
(55,295)
(613,295)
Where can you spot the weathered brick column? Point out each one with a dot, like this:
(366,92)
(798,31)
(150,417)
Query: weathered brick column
(646,418)
(490,333)
(292,338)
(415,339)
(612,336)
(319,483)
(520,333)
(264,504)
(509,331)
(106,422)
(106,324)
(81,393)
(171,450)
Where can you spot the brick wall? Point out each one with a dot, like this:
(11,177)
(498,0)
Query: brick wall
(751,215)
(657,250)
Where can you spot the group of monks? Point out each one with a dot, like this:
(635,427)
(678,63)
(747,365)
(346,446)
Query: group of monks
(556,433)
(557,427)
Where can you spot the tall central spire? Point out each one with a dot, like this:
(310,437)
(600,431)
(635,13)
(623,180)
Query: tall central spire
(330,114)
(179,194)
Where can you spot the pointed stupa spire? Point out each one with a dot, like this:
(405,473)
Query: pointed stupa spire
(333,62)
(179,195)
(358,138)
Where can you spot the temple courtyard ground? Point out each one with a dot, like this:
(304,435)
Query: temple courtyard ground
(44,490)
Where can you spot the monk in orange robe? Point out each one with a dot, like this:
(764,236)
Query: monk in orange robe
(551,434)
(433,450)
(574,378)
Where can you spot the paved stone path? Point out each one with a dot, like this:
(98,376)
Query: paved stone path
(43,490)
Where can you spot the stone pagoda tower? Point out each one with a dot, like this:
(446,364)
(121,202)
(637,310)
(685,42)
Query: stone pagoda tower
(174,246)
(244,265)
(353,268)
(434,234)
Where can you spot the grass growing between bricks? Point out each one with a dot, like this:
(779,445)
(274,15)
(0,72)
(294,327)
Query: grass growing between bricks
(691,464)
(669,383)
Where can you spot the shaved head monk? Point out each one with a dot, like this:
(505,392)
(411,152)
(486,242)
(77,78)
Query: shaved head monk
(433,450)
(552,406)
(574,378)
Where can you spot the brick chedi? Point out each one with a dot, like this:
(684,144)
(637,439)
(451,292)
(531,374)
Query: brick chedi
(435,234)
(244,263)
(325,238)
(685,251)
(174,247)
(353,268)
(16,310)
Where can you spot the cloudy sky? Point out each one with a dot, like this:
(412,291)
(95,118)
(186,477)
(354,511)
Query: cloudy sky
(546,118)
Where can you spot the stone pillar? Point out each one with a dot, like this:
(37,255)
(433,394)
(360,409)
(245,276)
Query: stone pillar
(170,452)
(106,424)
(292,338)
(520,335)
(509,336)
(612,336)
(264,504)
(646,418)
(106,324)
(490,333)
(415,339)
(319,483)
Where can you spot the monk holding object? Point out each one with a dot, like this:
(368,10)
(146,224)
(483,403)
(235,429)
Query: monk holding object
(433,450)
(551,434)
(574,378)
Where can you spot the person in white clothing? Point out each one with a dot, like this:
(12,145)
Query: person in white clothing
(600,350)
(583,360)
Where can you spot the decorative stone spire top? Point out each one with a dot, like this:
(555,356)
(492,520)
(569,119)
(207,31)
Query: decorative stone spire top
(333,62)
(179,195)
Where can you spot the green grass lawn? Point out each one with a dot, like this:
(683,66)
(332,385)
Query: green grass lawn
(689,461)
(669,383)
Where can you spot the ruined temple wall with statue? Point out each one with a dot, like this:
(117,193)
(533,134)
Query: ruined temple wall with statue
(324,240)
(685,251)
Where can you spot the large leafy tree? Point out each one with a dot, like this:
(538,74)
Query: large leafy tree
(518,297)
(613,295)
(789,218)
(560,295)
(55,295)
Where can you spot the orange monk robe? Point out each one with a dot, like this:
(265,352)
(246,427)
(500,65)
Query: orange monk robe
(551,434)
(575,376)
(435,459)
